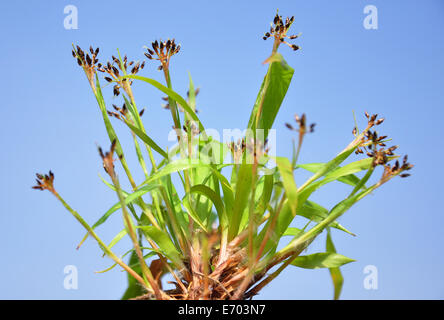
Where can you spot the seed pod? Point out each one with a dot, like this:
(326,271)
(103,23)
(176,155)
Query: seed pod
(289,126)
(116,90)
(355,131)
(312,126)
(379,121)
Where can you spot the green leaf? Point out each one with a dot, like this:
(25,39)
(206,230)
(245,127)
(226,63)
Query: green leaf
(145,138)
(117,238)
(292,232)
(317,213)
(332,173)
(110,130)
(215,198)
(129,199)
(193,213)
(266,194)
(321,260)
(335,273)
(163,240)
(271,94)
(328,167)
(291,190)
(173,95)
(134,288)
(315,167)
(243,188)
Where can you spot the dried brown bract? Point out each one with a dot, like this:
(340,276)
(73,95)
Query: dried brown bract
(108,160)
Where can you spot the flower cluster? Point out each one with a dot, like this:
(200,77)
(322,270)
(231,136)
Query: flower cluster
(374,146)
(45,182)
(302,127)
(115,74)
(279,29)
(108,160)
(122,113)
(88,62)
(162,51)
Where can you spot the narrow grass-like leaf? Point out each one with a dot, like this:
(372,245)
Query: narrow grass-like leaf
(145,138)
(317,213)
(293,232)
(315,167)
(271,94)
(173,95)
(321,260)
(291,190)
(243,188)
(217,201)
(129,199)
(134,289)
(165,244)
(335,273)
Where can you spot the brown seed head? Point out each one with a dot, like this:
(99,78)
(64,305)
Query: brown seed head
(162,51)
(107,158)
(279,30)
(45,182)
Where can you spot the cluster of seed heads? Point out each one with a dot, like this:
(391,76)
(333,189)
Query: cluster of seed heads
(86,59)
(279,29)
(396,169)
(88,62)
(115,69)
(162,51)
(374,146)
(302,125)
(254,147)
(237,149)
(122,113)
(369,137)
(45,182)
(191,128)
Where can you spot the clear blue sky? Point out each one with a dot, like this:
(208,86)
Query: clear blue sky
(51,121)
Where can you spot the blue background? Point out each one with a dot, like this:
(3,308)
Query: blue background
(50,120)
